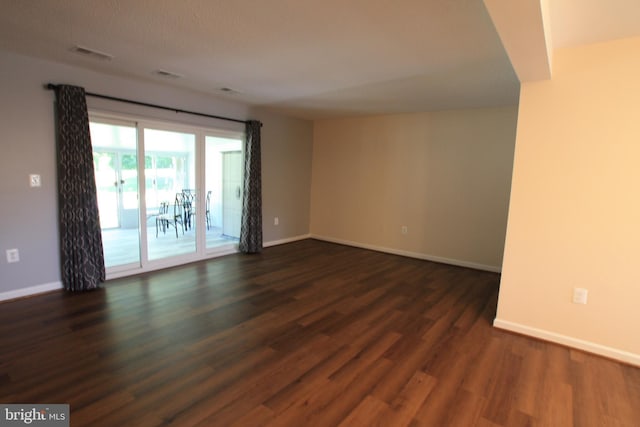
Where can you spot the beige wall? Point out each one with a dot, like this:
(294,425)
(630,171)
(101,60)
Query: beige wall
(286,176)
(574,218)
(444,175)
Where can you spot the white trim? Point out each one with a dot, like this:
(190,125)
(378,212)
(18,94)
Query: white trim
(32,290)
(164,263)
(601,350)
(287,240)
(417,255)
(222,128)
(211,253)
(219,251)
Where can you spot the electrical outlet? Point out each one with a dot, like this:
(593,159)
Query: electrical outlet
(580,295)
(13,255)
(276,221)
(404,229)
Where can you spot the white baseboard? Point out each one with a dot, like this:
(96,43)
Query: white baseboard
(287,240)
(417,255)
(32,290)
(590,347)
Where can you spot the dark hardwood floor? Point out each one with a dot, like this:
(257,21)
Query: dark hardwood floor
(304,334)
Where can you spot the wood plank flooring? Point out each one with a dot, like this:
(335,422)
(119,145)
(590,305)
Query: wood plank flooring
(304,334)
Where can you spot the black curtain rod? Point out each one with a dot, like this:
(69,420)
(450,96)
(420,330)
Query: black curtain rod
(52,86)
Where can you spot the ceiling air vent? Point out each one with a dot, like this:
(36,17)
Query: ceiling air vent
(92,53)
(167,74)
(228,90)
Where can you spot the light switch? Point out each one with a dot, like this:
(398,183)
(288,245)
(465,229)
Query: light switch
(34,180)
(13,255)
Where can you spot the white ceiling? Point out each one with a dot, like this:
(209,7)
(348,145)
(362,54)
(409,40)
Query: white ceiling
(307,58)
(580,22)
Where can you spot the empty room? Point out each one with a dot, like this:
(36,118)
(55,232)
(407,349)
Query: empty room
(337,213)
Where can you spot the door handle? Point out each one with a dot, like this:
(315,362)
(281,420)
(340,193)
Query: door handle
(238,192)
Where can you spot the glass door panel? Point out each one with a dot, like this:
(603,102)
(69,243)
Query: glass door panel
(231,193)
(115,164)
(169,173)
(104,164)
(223,190)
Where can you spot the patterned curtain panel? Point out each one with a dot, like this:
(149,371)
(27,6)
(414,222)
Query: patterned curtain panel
(251,226)
(81,256)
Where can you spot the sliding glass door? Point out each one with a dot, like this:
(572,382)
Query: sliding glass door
(167,194)
(116,172)
(223,178)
